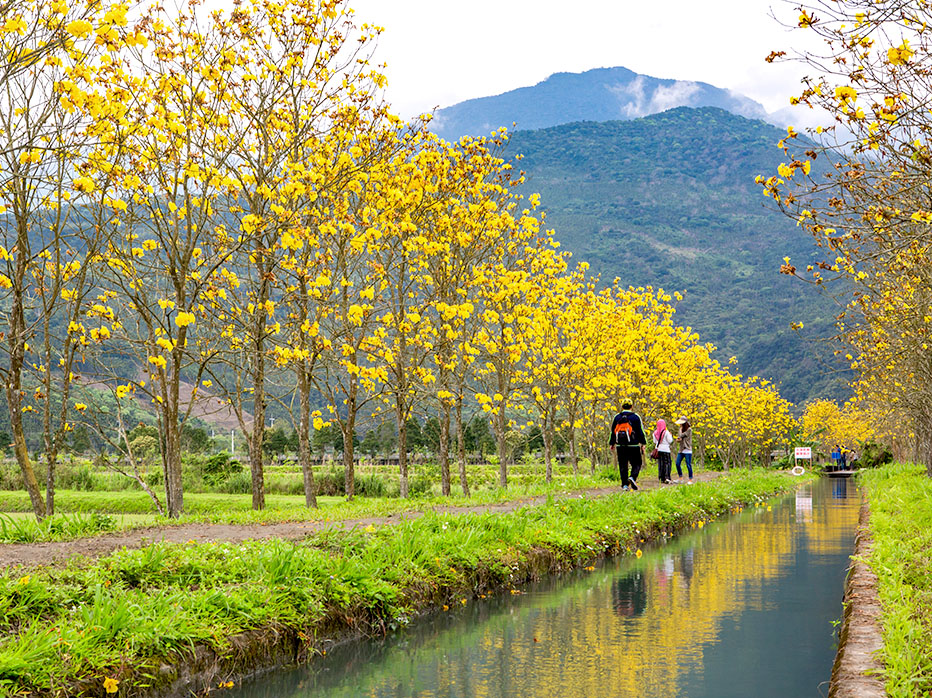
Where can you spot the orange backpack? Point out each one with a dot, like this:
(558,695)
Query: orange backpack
(624,432)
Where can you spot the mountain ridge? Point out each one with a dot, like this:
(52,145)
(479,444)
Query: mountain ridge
(599,94)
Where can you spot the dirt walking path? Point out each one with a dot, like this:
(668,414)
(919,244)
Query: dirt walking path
(59,552)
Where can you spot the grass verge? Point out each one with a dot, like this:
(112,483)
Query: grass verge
(88,513)
(147,618)
(900,497)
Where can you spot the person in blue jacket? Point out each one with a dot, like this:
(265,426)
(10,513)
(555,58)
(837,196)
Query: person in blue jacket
(627,438)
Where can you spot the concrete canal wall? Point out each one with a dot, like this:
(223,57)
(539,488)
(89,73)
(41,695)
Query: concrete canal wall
(860,636)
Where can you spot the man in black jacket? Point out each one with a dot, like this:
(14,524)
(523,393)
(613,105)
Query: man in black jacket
(627,438)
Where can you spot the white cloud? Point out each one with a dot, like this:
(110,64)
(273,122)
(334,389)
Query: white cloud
(631,96)
(679,94)
(636,102)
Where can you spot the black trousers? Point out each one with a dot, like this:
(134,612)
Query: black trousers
(664,465)
(628,455)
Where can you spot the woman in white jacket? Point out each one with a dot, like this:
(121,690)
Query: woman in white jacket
(663,439)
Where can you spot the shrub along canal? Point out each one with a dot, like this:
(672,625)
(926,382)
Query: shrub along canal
(743,606)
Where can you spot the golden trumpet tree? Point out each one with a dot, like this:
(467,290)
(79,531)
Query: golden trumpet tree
(741,419)
(825,423)
(639,354)
(466,227)
(862,190)
(401,263)
(504,285)
(583,365)
(50,51)
(351,228)
(553,345)
(169,158)
(306,75)
(63,287)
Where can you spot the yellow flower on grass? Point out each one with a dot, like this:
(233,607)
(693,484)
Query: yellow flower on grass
(638,553)
(80,406)
(111,685)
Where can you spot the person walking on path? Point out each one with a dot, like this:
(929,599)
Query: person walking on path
(627,438)
(664,439)
(685,440)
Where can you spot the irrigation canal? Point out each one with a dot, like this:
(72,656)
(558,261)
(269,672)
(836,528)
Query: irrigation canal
(745,606)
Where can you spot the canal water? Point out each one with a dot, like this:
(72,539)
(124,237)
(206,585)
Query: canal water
(745,606)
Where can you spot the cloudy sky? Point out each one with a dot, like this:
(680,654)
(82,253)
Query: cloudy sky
(440,52)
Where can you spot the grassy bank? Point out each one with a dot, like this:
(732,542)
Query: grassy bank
(900,498)
(137,616)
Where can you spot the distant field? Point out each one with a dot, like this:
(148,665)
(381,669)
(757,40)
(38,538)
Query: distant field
(123,520)
(139,504)
(135,508)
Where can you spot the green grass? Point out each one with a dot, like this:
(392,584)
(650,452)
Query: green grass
(137,510)
(129,502)
(21,527)
(121,615)
(57,527)
(900,498)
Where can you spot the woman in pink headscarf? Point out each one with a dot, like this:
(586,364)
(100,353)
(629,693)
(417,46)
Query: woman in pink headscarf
(663,439)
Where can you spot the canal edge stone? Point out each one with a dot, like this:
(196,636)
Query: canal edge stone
(860,639)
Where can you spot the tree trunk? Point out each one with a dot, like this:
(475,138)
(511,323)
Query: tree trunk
(304,438)
(444,455)
(402,448)
(51,452)
(500,426)
(174,493)
(258,426)
(134,464)
(548,447)
(55,441)
(17,342)
(348,427)
(461,446)
(574,453)
(22,457)
(51,460)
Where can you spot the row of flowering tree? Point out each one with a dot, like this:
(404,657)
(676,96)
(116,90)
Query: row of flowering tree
(221,208)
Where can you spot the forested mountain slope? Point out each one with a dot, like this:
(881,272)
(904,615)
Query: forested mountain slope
(670,200)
